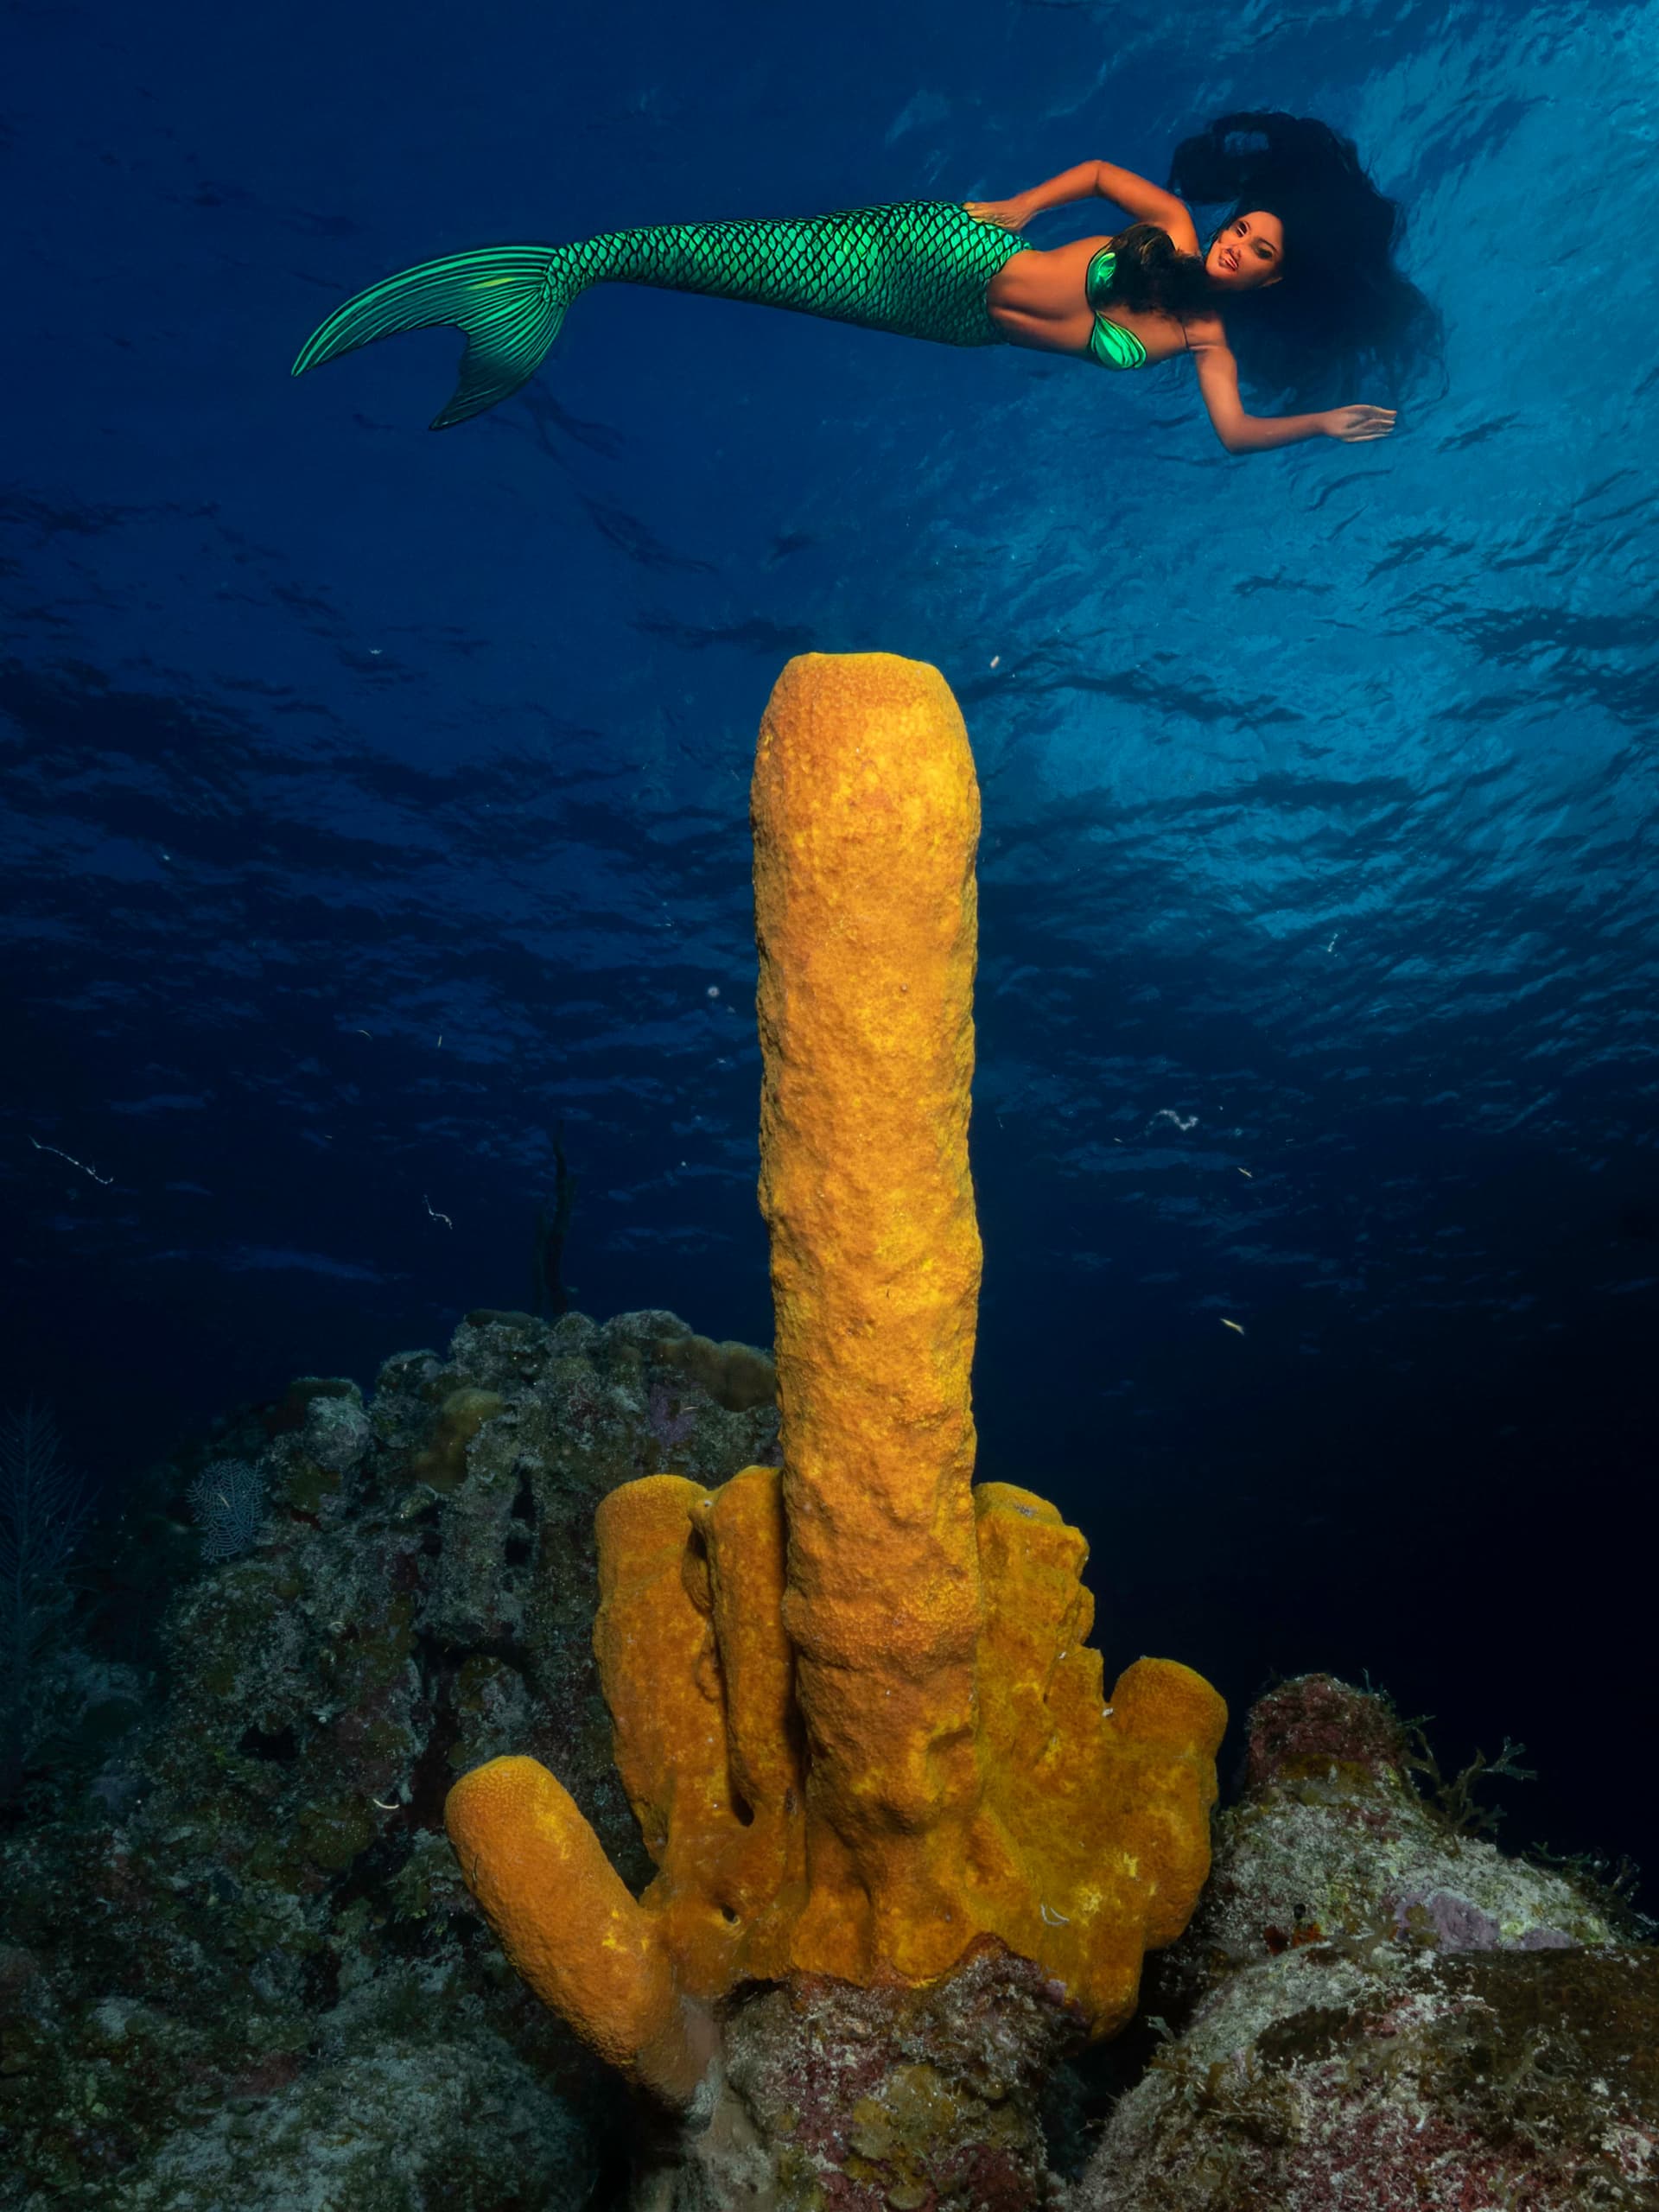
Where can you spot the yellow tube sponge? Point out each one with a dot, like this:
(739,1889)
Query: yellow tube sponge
(866,818)
(855,1709)
(526,1854)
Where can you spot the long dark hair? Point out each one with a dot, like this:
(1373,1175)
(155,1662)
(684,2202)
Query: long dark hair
(1342,323)
(1151,273)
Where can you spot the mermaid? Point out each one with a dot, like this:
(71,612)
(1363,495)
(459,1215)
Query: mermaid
(1296,285)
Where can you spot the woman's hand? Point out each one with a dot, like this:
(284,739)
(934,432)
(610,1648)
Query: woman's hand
(1353,425)
(1008,214)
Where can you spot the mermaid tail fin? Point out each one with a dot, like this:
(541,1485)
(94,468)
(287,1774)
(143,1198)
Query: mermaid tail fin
(920,270)
(503,296)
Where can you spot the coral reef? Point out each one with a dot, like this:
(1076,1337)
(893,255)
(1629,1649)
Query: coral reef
(237,1964)
(734,1376)
(207,1999)
(856,1710)
(1382,2010)
(893,2099)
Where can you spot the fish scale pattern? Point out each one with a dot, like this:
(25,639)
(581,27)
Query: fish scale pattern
(919,268)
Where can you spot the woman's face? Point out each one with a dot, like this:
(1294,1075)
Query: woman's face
(1247,254)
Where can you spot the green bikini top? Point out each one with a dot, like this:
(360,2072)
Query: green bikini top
(1109,344)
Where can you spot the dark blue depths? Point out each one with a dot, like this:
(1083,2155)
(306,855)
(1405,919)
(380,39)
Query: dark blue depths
(376,803)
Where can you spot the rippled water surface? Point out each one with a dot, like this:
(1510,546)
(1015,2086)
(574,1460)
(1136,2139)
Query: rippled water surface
(376,802)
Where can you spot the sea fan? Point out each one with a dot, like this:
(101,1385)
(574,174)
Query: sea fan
(229,1497)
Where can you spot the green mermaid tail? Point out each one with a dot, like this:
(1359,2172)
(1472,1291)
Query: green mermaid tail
(920,270)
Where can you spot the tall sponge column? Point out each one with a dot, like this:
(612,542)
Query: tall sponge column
(865,812)
(855,1707)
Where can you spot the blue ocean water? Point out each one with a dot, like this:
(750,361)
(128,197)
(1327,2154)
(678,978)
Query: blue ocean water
(376,803)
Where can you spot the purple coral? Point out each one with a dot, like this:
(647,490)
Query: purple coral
(1451,1922)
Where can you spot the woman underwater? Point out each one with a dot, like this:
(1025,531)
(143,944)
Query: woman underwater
(1297,284)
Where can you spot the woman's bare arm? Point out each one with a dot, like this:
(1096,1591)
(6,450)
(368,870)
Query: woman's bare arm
(1243,433)
(1147,202)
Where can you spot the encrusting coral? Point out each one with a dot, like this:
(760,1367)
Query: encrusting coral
(855,1709)
(1372,2007)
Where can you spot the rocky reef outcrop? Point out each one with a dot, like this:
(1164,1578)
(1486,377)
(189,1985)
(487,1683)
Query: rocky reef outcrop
(238,1963)
(1374,2008)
